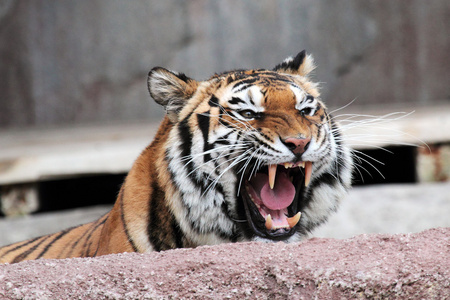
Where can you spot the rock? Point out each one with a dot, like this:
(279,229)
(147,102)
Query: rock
(367,266)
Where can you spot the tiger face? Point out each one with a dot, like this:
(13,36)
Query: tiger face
(252,154)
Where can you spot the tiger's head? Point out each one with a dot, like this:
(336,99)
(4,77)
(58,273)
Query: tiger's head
(252,154)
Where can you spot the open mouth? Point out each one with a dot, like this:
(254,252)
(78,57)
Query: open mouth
(272,197)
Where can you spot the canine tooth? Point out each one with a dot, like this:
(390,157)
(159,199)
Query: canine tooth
(286,165)
(308,172)
(294,220)
(269,223)
(272,174)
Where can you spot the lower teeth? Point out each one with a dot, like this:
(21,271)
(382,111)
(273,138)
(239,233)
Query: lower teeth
(269,223)
(291,221)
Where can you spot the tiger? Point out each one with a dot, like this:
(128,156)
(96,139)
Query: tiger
(247,155)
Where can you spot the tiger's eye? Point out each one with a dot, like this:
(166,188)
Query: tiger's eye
(248,114)
(306,111)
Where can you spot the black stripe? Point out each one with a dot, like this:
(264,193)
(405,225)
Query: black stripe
(253,102)
(224,139)
(125,228)
(24,255)
(322,117)
(323,179)
(22,244)
(186,140)
(88,248)
(247,81)
(203,124)
(163,231)
(173,176)
(185,148)
(241,88)
(96,226)
(213,102)
(153,227)
(178,234)
(84,234)
(236,100)
(89,232)
(93,229)
(298,60)
(72,247)
(309,99)
(244,83)
(60,235)
(269,79)
(263,144)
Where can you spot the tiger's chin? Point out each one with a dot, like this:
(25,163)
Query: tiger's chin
(272,200)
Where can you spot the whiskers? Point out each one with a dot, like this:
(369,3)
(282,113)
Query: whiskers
(373,132)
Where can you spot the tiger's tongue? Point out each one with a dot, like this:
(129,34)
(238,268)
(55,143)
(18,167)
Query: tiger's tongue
(282,194)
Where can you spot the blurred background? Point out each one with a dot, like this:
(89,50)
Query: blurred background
(75,111)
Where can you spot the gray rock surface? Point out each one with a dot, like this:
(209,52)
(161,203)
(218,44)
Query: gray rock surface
(403,266)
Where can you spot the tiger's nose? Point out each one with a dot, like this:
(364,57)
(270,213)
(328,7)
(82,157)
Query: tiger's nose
(298,146)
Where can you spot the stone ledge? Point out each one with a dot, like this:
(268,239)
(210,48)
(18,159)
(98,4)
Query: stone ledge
(406,266)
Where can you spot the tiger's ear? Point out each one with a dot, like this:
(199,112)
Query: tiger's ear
(302,64)
(170,89)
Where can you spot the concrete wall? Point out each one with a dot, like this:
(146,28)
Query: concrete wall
(87,60)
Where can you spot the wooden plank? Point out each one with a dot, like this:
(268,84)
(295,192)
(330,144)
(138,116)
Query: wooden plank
(389,126)
(37,154)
